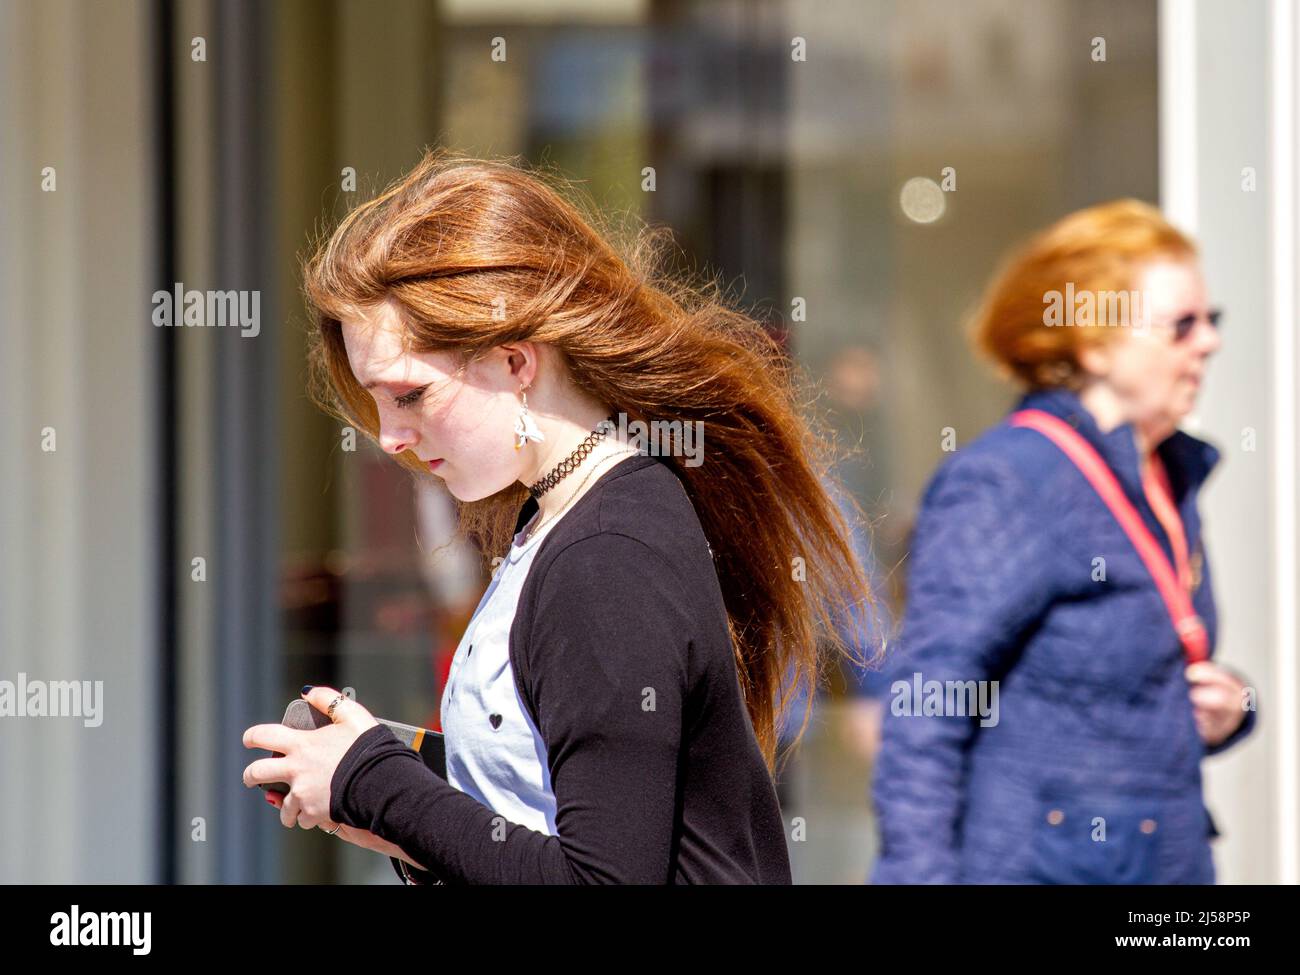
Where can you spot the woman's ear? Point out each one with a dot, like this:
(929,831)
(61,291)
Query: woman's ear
(522,359)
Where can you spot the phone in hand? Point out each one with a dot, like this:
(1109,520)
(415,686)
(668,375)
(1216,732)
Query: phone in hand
(430,745)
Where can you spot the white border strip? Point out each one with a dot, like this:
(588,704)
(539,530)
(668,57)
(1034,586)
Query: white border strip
(1283,85)
(1178,111)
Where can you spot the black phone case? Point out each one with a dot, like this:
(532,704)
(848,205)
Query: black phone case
(429,744)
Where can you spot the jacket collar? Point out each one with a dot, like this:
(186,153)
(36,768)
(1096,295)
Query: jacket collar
(525,513)
(1187,459)
(625,466)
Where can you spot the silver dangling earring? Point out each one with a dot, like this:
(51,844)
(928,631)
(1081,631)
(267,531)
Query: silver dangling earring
(526,428)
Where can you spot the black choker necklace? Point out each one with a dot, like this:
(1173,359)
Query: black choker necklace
(570,463)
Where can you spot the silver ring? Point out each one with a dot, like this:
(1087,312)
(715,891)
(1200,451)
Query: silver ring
(331,832)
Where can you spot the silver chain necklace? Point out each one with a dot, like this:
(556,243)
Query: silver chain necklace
(530,532)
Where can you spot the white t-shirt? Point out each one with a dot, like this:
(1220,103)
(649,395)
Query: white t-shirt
(494,751)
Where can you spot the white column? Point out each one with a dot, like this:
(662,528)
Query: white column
(77,559)
(1284,296)
(1228,114)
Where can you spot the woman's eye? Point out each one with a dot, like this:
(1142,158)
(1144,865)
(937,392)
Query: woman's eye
(409,399)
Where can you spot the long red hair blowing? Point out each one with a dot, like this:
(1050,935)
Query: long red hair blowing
(477,253)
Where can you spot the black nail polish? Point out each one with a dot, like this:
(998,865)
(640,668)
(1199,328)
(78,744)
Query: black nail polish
(306,688)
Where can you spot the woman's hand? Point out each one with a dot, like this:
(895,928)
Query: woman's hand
(357,837)
(1217,697)
(309,757)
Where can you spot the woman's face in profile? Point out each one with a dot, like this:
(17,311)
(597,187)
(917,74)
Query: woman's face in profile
(459,422)
(1156,374)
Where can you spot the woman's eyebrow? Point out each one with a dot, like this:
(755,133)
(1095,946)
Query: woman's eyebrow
(388,383)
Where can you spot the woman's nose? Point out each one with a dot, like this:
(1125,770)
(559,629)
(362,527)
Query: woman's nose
(1208,338)
(394,446)
(394,441)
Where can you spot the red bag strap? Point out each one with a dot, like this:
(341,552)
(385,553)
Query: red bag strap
(1189,626)
(1160,495)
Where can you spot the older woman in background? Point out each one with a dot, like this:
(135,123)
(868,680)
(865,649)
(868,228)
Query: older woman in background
(1058,574)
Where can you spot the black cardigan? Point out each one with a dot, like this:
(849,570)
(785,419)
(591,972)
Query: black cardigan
(622,655)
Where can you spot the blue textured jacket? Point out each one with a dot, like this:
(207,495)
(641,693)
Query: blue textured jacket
(1088,768)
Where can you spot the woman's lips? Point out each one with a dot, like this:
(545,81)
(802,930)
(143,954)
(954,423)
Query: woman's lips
(435,464)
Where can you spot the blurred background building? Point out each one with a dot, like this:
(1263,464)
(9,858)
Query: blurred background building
(851,168)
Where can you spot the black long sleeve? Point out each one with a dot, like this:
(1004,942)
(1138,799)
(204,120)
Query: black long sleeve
(621,646)
(608,689)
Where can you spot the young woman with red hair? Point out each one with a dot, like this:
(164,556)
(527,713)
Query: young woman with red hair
(612,710)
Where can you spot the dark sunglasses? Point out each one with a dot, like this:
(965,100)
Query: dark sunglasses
(1183,326)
